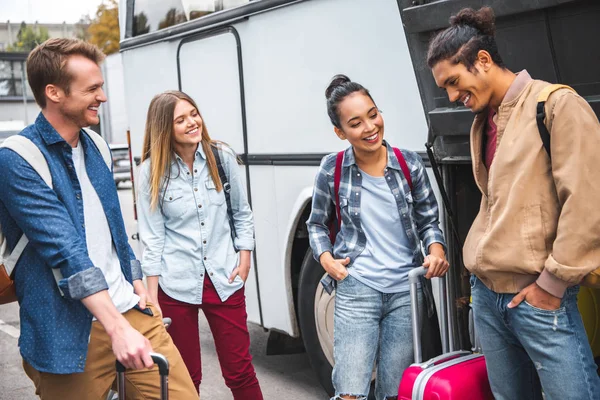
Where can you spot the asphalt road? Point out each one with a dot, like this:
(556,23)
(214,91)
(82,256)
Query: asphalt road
(281,377)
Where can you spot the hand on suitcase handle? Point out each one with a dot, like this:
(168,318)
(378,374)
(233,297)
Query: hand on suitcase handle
(158,359)
(163,369)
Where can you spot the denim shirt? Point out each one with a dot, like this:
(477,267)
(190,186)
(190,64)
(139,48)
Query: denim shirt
(55,330)
(187,235)
(418,209)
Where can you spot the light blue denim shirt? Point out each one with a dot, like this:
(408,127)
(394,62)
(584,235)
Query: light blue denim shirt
(187,235)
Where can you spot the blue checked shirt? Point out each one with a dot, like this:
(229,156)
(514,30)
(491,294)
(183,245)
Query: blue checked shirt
(418,209)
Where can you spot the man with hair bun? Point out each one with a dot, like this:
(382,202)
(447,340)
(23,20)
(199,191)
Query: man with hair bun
(537,232)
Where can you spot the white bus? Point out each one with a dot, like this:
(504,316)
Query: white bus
(258,70)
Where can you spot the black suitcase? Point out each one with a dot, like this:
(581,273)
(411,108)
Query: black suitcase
(163,370)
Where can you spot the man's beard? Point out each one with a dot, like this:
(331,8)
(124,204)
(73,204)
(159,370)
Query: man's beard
(76,116)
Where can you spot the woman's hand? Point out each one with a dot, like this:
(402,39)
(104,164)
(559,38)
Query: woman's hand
(152,282)
(243,269)
(336,268)
(436,262)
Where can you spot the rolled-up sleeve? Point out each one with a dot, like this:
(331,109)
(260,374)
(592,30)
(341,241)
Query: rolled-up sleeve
(426,208)
(320,213)
(242,214)
(152,227)
(44,220)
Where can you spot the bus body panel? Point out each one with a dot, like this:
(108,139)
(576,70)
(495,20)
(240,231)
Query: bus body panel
(288,56)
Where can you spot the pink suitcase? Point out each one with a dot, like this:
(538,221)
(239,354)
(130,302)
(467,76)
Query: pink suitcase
(455,375)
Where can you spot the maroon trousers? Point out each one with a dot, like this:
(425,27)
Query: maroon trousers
(227,321)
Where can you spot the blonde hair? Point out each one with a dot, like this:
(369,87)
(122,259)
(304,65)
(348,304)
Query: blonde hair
(46,64)
(158,142)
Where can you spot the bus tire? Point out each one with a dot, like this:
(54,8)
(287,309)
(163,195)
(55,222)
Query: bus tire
(317,330)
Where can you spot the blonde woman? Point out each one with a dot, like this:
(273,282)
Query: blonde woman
(190,257)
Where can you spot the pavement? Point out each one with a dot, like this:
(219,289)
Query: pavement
(281,377)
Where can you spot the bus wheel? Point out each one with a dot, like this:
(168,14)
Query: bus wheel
(315,312)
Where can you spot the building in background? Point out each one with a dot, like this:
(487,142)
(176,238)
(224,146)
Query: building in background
(16,100)
(9,31)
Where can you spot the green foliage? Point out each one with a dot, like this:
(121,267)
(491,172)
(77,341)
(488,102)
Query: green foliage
(28,38)
(104,29)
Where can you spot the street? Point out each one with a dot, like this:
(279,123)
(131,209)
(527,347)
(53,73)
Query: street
(281,377)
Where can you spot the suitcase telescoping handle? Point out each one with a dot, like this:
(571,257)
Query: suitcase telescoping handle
(163,370)
(414,277)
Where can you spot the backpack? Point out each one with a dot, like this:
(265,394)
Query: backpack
(227,192)
(334,227)
(593,278)
(32,154)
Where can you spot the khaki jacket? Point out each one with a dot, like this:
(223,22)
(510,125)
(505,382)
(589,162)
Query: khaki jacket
(537,221)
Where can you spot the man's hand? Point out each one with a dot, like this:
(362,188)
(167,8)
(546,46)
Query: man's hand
(243,269)
(436,262)
(537,297)
(130,347)
(140,290)
(336,268)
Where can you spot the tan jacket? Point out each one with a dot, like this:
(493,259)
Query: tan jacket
(536,221)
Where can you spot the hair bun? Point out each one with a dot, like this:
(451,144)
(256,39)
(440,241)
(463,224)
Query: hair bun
(483,20)
(336,81)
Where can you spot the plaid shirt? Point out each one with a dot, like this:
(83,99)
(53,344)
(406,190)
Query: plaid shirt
(418,209)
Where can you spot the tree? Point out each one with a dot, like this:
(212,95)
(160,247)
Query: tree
(172,18)
(104,29)
(82,28)
(140,24)
(28,38)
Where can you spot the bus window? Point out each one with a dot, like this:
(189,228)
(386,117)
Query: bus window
(153,15)
(199,8)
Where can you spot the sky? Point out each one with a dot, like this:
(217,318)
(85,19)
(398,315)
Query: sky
(47,11)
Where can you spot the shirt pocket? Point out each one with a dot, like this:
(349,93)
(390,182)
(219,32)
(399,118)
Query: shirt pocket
(214,197)
(173,204)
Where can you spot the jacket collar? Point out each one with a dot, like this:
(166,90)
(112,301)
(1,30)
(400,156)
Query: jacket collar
(49,135)
(514,95)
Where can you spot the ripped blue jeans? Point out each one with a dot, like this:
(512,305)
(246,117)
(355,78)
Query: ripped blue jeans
(370,326)
(528,349)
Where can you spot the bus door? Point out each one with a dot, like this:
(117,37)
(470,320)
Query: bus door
(209,70)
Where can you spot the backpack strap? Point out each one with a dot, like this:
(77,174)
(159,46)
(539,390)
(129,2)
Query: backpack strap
(226,190)
(102,147)
(540,115)
(404,167)
(34,157)
(30,153)
(337,177)
(334,227)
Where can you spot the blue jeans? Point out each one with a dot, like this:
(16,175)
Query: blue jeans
(368,326)
(528,349)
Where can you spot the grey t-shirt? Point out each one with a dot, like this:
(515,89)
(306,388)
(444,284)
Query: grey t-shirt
(384,263)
